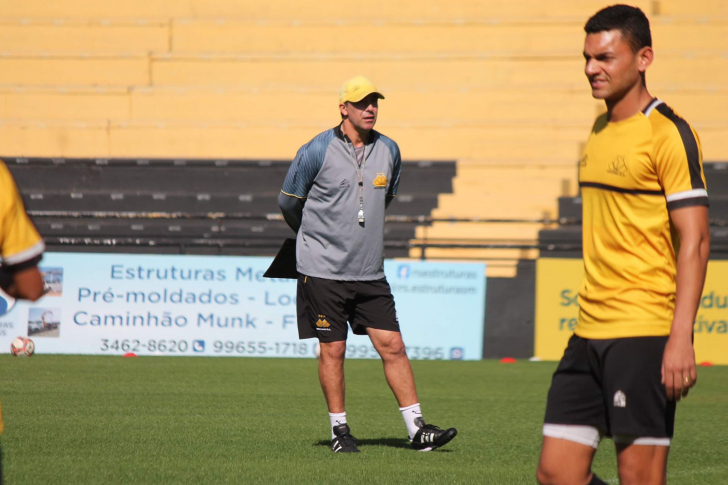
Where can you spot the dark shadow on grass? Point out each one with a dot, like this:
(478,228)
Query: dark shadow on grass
(391,442)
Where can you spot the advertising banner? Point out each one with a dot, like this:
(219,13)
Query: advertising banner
(222,306)
(557,309)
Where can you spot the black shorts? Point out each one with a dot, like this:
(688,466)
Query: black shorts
(613,385)
(325,306)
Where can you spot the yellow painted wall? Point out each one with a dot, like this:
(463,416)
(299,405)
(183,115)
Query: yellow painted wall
(22,37)
(496,85)
(314,10)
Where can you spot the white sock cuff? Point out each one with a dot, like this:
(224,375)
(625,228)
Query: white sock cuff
(410,407)
(336,419)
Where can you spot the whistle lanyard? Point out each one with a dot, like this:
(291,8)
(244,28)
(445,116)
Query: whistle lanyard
(359,175)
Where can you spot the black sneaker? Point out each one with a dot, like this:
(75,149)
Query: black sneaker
(429,436)
(344,442)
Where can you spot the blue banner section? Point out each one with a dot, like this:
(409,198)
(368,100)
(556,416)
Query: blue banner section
(222,306)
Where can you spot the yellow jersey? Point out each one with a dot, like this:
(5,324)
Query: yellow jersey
(20,243)
(632,174)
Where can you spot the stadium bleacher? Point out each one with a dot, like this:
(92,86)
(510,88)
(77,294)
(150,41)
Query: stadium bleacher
(215,206)
(497,86)
(167,127)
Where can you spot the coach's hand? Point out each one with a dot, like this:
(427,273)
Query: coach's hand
(678,367)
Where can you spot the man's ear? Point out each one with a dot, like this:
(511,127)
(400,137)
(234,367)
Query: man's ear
(645,56)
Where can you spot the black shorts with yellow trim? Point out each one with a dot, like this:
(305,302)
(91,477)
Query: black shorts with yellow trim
(326,306)
(614,385)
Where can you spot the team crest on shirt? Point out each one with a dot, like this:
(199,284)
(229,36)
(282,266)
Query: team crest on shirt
(618,166)
(380,181)
(583,160)
(620,400)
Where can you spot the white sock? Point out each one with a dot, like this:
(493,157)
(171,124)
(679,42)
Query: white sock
(410,413)
(336,419)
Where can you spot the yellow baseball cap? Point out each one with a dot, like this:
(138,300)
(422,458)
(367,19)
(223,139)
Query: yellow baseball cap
(356,89)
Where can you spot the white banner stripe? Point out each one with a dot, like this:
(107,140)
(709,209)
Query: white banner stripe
(689,194)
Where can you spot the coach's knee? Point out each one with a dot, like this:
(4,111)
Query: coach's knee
(392,347)
(332,351)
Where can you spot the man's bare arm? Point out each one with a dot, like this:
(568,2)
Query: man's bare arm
(678,363)
(26,283)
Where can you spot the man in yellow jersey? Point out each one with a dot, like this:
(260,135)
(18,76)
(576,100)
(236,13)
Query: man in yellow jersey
(21,249)
(646,245)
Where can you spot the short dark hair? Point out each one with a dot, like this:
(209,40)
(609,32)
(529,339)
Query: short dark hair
(630,21)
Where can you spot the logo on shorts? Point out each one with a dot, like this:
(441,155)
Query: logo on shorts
(322,324)
(381,180)
(620,400)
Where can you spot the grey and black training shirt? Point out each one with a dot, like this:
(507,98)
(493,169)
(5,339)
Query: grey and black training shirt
(331,242)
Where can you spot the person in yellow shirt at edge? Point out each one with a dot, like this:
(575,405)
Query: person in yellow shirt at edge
(646,245)
(21,249)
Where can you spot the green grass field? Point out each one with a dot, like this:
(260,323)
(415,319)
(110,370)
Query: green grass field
(88,419)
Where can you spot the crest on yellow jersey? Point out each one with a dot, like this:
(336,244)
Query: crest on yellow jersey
(618,166)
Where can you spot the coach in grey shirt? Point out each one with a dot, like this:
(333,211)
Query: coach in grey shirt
(334,197)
